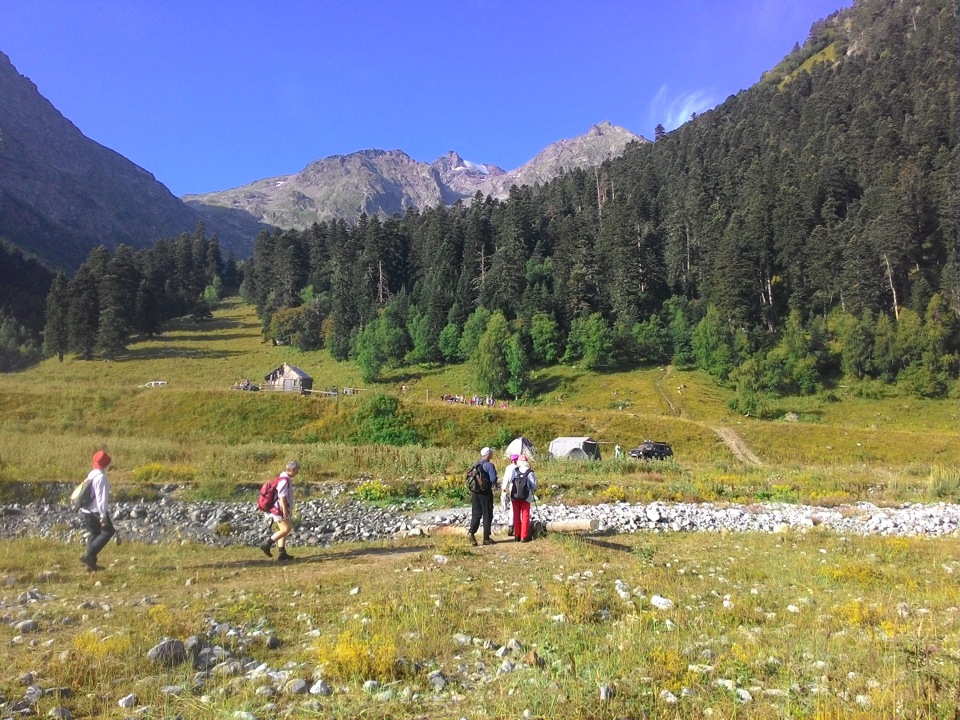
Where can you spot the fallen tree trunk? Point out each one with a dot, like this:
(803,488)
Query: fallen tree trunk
(571,526)
(557,526)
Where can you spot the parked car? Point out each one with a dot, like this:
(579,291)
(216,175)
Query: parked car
(651,450)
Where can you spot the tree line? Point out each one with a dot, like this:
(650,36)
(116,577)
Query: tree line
(114,297)
(804,230)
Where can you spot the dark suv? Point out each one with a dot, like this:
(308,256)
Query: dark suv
(650,450)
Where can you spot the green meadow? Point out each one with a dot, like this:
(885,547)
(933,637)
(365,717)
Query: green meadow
(794,625)
(826,449)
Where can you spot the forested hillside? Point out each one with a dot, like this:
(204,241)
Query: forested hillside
(806,227)
(804,230)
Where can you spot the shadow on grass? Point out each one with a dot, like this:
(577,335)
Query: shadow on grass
(303,555)
(607,544)
(161,353)
(545,385)
(204,338)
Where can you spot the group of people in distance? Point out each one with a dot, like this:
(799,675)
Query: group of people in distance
(517,485)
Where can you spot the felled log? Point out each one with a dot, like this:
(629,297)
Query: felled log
(572,526)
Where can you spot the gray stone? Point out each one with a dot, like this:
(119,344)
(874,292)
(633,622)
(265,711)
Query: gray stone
(168,652)
(437,680)
(296,687)
(320,687)
(128,701)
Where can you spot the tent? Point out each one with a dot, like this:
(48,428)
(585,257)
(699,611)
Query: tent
(520,446)
(582,448)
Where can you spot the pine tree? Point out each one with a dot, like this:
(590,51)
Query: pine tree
(56,333)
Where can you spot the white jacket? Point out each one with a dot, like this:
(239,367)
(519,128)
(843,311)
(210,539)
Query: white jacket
(99,493)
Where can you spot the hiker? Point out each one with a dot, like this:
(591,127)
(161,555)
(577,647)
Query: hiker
(96,515)
(522,485)
(505,488)
(282,513)
(618,451)
(482,502)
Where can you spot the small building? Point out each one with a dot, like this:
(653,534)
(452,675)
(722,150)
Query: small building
(288,378)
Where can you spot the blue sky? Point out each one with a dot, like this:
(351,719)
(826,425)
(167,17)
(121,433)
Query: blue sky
(213,94)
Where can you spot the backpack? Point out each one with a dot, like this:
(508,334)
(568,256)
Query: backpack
(268,495)
(477,480)
(82,494)
(519,487)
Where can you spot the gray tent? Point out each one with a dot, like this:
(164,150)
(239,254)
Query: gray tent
(582,448)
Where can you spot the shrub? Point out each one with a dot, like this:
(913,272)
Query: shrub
(158,472)
(380,421)
(353,656)
(943,483)
(450,488)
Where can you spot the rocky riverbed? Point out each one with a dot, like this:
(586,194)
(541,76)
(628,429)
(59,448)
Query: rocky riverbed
(338,516)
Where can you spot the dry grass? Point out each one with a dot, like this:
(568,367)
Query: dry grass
(810,625)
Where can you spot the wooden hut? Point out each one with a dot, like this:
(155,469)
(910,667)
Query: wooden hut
(289,378)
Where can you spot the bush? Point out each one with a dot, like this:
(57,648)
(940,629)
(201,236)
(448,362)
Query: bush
(380,422)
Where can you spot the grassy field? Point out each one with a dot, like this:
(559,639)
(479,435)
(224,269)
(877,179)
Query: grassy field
(762,626)
(838,446)
(795,625)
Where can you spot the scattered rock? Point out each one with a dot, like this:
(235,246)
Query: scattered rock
(168,652)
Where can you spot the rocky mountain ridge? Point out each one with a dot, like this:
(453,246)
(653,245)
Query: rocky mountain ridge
(62,193)
(384,182)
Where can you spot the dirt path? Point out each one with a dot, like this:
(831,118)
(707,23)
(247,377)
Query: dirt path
(674,408)
(731,438)
(738,447)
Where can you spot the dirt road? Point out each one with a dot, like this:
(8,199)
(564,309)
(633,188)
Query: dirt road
(738,447)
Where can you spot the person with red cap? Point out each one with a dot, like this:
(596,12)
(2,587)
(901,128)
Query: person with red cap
(96,515)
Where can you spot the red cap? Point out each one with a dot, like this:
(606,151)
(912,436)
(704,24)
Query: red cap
(101,460)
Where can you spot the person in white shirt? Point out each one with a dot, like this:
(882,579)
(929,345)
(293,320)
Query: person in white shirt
(282,513)
(96,515)
(505,485)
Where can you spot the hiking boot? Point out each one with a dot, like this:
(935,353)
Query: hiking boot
(265,546)
(90,562)
(473,539)
(525,540)
(517,539)
(282,556)
(488,540)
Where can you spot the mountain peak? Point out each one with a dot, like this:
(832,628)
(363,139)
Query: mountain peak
(384,182)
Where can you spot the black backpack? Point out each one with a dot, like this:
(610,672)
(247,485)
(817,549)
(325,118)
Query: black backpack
(477,480)
(519,487)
